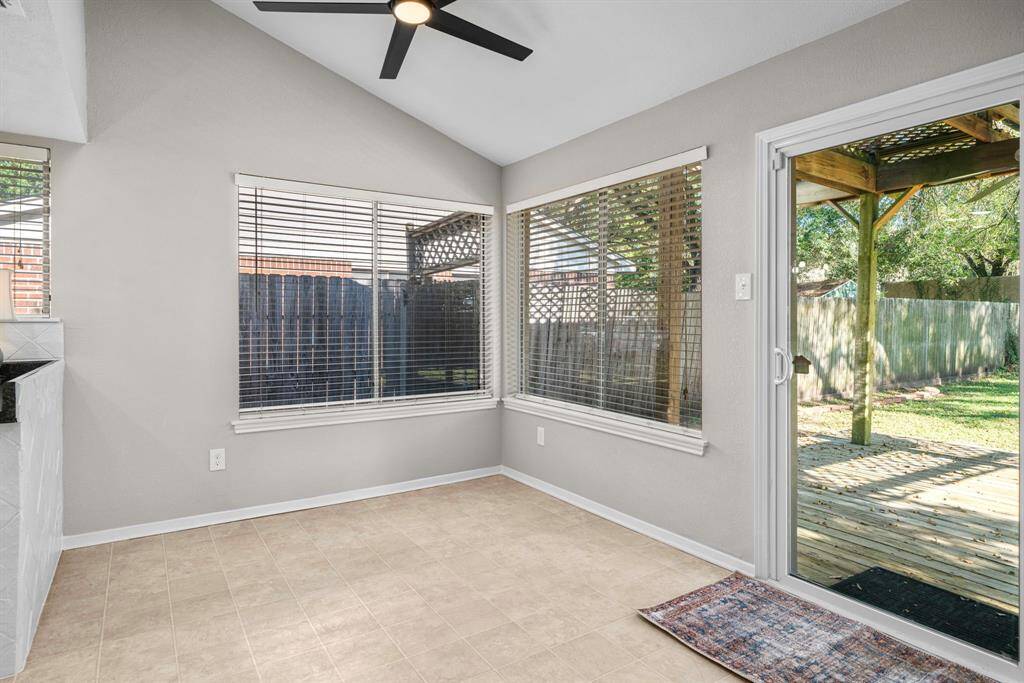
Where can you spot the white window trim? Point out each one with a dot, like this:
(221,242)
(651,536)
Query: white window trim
(648,431)
(680,439)
(338,192)
(270,419)
(24,152)
(407,408)
(643,170)
(971,90)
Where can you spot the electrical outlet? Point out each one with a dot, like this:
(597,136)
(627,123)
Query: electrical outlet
(540,436)
(218,459)
(742,286)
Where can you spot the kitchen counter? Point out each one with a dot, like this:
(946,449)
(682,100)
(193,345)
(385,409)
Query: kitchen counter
(8,387)
(31,500)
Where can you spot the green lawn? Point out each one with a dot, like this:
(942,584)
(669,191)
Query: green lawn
(983,412)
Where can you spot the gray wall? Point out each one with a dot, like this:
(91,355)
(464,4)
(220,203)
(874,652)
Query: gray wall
(711,499)
(183,94)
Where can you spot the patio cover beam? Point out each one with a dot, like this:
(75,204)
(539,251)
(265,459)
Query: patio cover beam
(1010,112)
(994,157)
(837,170)
(854,177)
(978,128)
(854,221)
(895,207)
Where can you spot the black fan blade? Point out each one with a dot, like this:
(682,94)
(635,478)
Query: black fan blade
(399,45)
(325,7)
(442,3)
(460,28)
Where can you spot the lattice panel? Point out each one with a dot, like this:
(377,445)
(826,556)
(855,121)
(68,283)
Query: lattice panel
(567,302)
(562,302)
(943,148)
(447,244)
(918,142)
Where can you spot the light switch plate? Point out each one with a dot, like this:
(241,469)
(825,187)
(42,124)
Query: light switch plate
(218,459)
(742,286)
(540,436)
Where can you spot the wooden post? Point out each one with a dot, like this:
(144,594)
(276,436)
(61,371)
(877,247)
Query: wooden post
(671,229)
(864,326)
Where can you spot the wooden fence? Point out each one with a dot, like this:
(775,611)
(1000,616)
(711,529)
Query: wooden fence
(917,341)
(307,339)
(567,362)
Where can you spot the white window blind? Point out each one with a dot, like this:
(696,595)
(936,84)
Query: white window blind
(25,227)
(610,299)
(346,302)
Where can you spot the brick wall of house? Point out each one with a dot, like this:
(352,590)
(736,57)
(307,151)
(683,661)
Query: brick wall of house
(30,283)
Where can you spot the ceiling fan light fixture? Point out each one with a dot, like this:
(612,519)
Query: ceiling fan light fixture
(411,11)
(408,16)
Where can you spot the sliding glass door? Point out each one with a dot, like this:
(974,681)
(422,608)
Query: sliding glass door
(903,310)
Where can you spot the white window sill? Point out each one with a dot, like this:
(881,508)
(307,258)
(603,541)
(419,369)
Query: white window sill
(683,440)
(269,422)
(30,319)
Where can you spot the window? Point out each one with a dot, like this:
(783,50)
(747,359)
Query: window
(349,298)
(25,226)
(610,298)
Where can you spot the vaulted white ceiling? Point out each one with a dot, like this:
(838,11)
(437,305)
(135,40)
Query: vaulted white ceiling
(594,61)
(42,69)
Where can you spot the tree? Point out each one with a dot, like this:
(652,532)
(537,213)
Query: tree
(826,242)
(944,233)
(634,222)
(960,238)
(16,182)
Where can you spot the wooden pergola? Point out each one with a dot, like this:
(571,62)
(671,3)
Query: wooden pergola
(898,165)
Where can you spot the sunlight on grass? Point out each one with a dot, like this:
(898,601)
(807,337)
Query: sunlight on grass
(984,412)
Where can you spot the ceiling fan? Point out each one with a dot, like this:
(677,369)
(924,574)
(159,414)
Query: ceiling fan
(409,14)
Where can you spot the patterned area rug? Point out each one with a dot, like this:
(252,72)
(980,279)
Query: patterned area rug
(764,634)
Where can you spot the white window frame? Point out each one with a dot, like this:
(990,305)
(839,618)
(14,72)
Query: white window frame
(971,90)
(680,439)
(399,408)
(41,155)
(12,151)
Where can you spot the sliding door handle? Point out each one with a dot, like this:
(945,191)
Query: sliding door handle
(783,366)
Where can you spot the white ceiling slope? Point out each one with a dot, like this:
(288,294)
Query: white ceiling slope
(42,69)
(594,61)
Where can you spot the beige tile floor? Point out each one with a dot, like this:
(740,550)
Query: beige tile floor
(486,580)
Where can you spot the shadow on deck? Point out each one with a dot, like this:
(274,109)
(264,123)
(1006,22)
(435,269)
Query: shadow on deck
(945,514)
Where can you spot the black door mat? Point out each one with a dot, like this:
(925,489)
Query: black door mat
(937,608)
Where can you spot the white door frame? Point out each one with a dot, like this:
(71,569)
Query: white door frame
(967,91)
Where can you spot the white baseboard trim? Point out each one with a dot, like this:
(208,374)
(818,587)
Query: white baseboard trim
(667,537)
(182,523)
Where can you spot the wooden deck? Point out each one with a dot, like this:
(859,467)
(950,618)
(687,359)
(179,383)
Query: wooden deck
(944,514)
